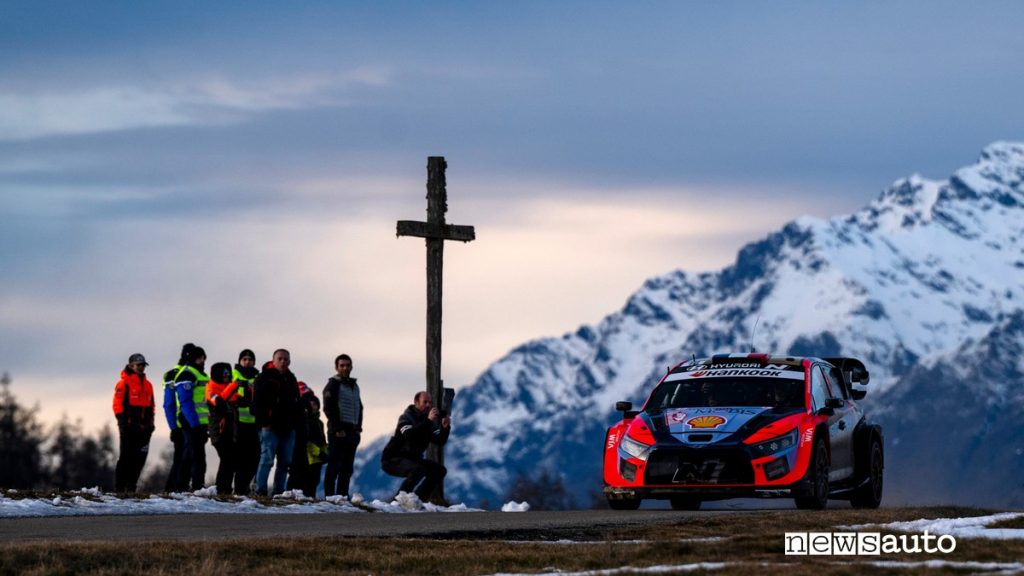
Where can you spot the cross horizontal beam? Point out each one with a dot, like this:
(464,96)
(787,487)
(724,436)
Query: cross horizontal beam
(435,232)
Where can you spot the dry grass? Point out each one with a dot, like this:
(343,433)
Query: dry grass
(1017,523)
(749,543)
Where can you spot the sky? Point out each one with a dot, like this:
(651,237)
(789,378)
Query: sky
(230,174)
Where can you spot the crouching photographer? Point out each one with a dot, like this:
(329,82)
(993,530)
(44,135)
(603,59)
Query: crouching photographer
(419,426)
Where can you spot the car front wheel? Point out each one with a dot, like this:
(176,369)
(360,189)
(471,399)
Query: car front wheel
(818,498)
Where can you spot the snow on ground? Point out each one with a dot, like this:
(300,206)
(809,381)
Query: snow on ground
(513,506)
(563,542)
(93,502)
(1002,567)
(994,567)
(630,570)
(972,527)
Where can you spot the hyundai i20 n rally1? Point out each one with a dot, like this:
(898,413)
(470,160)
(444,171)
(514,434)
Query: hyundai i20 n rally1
(748,425)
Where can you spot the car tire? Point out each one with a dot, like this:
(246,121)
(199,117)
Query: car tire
(818,498)
(869,495)
(685,503)
(624,503)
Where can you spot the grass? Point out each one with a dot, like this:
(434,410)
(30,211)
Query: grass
(749,543)
(1017,523)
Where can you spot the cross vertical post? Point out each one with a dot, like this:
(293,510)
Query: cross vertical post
(435,230)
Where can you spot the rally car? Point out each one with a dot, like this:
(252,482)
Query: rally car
(748,425)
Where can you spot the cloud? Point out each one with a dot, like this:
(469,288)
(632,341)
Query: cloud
(204,99)
(24,116)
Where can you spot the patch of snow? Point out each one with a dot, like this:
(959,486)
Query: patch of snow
(706,540)
(405,502)
(1005,567)
(972,527)
(203,502)
(409,501)
(514,506)
(664,569)
(296,495)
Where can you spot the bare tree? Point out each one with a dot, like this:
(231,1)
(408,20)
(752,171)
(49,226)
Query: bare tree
(21,441)
(545,492)
(75,459)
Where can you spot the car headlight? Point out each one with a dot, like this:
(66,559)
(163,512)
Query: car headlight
(635,449)
(769,447)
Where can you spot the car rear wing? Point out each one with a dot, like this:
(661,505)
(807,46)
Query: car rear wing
(854,372)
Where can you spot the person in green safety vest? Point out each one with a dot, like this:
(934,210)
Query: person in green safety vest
(193,417)
(247,434)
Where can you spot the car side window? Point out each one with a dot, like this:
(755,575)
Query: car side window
(838,383)
(819,389)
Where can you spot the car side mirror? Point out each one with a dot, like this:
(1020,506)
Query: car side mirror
(834,403)
(627,409)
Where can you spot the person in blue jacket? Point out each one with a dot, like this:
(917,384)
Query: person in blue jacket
(191,415)
(171,415)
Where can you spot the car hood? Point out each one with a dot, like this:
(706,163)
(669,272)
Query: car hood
(701,426)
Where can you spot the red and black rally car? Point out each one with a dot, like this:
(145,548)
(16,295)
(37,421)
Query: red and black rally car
(748,425)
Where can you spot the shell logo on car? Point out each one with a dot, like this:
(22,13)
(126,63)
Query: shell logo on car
(706,422)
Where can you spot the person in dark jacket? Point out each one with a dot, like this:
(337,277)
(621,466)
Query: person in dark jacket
(134,410)
(344,411)
(420,425)
(309,438)
(247,434)
(316,447)
(275,406)
(221,399)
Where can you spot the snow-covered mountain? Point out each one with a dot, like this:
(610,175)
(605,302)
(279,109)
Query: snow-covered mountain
(954,428)
(903,283)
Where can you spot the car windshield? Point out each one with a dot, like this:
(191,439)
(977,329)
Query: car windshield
(739,391)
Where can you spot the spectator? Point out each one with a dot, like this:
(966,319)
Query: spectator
(311,451)
(134,409)
(421,424)
(247,435)
(344,410)
(192,415)
(275,406)
(221,398)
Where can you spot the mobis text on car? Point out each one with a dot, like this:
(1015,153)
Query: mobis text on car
(748,425)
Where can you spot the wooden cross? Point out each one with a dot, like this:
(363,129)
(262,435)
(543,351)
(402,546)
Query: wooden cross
(436,231)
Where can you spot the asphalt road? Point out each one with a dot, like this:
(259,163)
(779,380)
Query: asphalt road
(534,525)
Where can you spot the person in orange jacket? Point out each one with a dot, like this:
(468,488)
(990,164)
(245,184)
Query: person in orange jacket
(222,397)
(134,409)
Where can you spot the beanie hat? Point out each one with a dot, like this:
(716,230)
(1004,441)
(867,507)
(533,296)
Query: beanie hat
(188,353)
(221,373)
(246,354)
(198,353)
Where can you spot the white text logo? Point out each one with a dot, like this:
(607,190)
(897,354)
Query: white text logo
(865,543)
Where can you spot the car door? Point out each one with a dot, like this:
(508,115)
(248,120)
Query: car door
(841,423)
